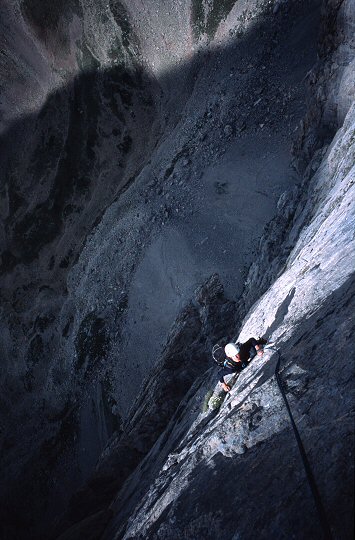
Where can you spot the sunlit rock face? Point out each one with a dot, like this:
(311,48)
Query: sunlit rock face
(145,148)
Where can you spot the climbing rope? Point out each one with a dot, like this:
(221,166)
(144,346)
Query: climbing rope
(310,477)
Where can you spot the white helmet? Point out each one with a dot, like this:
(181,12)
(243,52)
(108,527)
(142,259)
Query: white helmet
(231,349)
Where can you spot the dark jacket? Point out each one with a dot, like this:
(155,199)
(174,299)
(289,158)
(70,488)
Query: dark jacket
(246,353)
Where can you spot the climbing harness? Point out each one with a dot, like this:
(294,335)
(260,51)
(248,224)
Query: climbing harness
(310,477)
(218,354)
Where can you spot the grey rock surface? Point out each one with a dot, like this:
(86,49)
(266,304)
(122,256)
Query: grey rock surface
(208,318)
(146,148)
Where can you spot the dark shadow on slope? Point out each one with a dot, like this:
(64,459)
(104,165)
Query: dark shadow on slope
(62,137)
(281,312)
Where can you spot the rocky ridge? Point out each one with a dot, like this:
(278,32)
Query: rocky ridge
(86,320)
(177,491)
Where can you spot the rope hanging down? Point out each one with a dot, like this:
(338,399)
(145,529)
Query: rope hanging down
(310,477)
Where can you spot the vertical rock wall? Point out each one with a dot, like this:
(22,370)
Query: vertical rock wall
(144,149)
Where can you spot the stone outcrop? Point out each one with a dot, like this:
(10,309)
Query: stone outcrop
(145,148)
(209,318)
(241,475)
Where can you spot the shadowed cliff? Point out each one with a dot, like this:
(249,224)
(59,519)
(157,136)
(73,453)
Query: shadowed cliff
(105,234)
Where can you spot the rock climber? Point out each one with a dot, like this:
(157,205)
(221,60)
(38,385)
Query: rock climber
(238,357)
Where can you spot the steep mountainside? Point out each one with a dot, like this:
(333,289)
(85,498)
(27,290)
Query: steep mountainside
(146,150)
